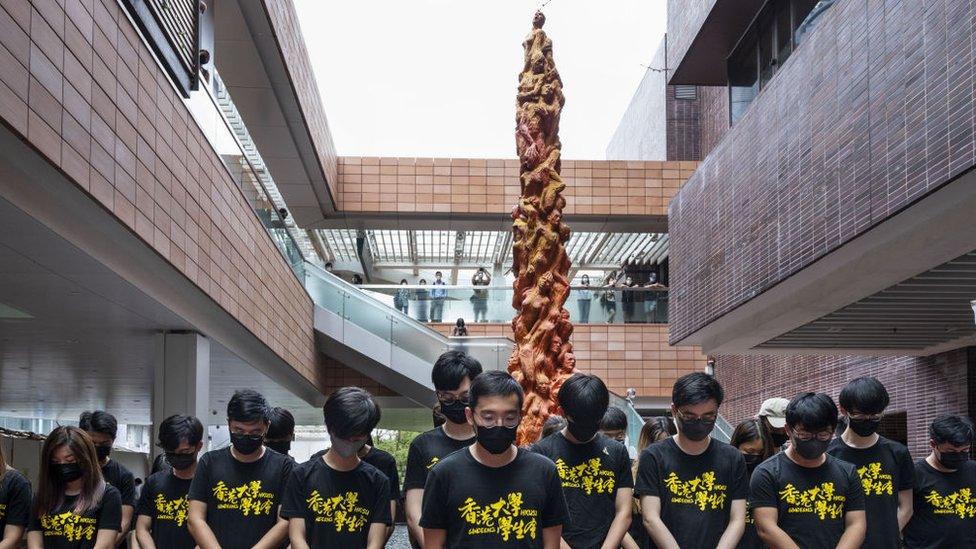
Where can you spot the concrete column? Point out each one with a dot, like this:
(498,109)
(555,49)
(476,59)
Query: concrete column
(182,378)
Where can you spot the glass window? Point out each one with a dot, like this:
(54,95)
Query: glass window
(784,33)
(743,80)
(767,62)
(801,9)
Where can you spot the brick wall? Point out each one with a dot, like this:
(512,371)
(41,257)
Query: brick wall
(683,126)
(78,84)
(922,388)
(872,112)
(461,185)
(636,356)
(714,115)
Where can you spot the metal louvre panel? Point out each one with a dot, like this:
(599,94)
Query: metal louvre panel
(178,20)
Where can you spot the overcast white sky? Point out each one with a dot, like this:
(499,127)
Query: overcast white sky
(438,77)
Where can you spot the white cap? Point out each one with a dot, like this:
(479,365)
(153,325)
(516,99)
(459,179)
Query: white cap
(774,410)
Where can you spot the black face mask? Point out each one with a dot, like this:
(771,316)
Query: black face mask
(454,412)
(583,432)
(695,429)
(496,439)
(246,444)
(752,461)
(103,451)
(66,472)
(779,439)
(280,446)
(180,461)
(811,449)
(953,460)
(864,427)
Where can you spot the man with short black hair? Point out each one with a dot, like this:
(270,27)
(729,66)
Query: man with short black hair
(451,376)
(493,494)
(338,500)
(945,488)
(162,512)
(594,469)
(281,430)
(438,294)
(102,428)
(802,496)
(237,491)
(884,466)
(693,488)
(614,424)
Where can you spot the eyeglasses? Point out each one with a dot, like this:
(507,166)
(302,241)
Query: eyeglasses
(489,419)
(711,416)
(822,436)
(449,398)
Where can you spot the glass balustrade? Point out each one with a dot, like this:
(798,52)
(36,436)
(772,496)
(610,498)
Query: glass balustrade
(494,303)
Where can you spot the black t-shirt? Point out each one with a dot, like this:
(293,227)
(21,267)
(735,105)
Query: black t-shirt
(885,469)
(64,529)
(120,477)
(811,502)
(338,506)
(15,500)
(590,475)
(750,537)
(945,508)
(386,463)
(425,451)
(696,491)
(242,498)
(488,507)
(164,501)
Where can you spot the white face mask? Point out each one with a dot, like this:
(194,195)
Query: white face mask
(347,448)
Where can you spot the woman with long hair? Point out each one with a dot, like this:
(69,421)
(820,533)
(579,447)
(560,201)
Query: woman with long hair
(654,430)
(15,501)
(74,508)
(748,438)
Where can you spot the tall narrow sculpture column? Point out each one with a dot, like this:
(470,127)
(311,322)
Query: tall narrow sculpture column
(543,356)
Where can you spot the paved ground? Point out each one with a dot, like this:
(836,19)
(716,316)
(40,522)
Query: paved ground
(399,539)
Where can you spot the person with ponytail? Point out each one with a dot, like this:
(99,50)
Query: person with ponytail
(74,507)
(15,501)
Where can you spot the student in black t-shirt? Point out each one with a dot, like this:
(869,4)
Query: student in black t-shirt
(338,500)
(15,502)
(74,507)
(747,438)
(945,489)
(614,424)
(884,466)
(102,428)
(493,494)
(692,488)
(236,492)
(594,470)
(452,375)
(162,510)
(802,496)
(281,431)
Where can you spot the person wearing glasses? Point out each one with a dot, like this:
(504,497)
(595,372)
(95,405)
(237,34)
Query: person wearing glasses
(494,494)
(885,467)
(803,496)
(693,488)
(452,376)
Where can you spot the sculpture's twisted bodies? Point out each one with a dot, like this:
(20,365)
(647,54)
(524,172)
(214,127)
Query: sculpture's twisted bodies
(543,356)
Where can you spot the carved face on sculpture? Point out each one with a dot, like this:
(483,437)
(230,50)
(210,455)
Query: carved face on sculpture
(569,361)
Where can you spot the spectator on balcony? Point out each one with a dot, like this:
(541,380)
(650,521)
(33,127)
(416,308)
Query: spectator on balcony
(651,297)
(459,330)
(584,296)
(438,295)
(480,298)
(609,299)
(356,279)
(401,299)
(630,299)
(423,297)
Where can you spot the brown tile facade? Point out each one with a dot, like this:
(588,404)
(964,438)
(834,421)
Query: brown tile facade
(683,125)
(461,185)
(636,356)
(714,115)
(872,112)
(922,388)
(80,86)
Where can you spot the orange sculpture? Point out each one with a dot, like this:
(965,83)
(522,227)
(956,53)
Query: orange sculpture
(543,357)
